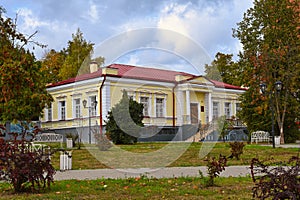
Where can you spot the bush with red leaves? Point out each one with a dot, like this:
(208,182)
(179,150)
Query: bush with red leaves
(281,182)
(26,168)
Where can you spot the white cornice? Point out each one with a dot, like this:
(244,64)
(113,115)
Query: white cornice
(75,84)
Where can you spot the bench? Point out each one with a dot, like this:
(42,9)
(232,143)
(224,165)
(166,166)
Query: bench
(49,137)
(260,136)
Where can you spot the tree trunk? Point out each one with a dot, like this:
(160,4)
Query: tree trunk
(281,134)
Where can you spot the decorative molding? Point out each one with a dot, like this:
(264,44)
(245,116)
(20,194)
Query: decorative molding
(61,97)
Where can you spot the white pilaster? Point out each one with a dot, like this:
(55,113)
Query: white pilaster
(179,107)
(105,100)
(188,106)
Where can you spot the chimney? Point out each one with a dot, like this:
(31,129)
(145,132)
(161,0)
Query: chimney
(110,71)
(93,66)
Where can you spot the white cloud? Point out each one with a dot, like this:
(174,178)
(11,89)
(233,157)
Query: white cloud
(92,13)
(30,22)
(201,23)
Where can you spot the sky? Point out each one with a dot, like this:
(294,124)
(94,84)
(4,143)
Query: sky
(172,34)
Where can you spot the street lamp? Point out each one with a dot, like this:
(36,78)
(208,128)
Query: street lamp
(277,87)
(93,106)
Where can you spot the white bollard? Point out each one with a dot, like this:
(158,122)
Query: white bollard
(69,143)
(63,161)
(69,155)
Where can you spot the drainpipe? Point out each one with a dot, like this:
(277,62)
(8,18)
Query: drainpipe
(100,104)
(173,95)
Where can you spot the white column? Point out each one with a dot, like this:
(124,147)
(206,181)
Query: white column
(188,106)
(105,100)
(151,107)
(208,107)
(210,112)
(179,107)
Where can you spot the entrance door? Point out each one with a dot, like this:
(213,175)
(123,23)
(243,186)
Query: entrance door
(194,113)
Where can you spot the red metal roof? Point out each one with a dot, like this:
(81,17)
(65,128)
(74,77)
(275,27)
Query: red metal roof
(225,85)
(146,73)
(143,73)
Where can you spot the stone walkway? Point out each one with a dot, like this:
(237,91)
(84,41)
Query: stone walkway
(168,172)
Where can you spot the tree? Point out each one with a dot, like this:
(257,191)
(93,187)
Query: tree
(125,121)
(23,93)
(270,35)
(78,57)
(52,63)
(71,61)
(224,69)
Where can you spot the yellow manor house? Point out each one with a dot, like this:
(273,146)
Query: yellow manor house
(171,99)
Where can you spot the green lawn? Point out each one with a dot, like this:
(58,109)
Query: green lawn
(82,158)
(148,188)
(141,188)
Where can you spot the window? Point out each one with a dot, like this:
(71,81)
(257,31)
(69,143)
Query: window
(49,113)
(227,110)
(145,102)
(159,107)
(215,110)
(62,110)
(237,107)
(77,108)
(92,100)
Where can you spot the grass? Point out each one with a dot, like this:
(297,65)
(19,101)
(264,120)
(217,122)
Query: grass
(151,188)
(83,159)
(141,188)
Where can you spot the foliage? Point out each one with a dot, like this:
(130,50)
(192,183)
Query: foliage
(236,149)
(26,168)
(78,57)
(269,33)
(223,69)
(125,121)
(51,64)
(23,93)
(215,167)
(103,143)
(223,127)
(71,61)
(282,182)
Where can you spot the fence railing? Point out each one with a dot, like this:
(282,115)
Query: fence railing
(49,137)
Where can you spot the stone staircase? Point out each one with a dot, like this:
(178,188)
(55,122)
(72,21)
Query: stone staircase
(204,131)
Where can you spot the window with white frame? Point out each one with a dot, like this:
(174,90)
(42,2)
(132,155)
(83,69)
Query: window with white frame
(49,112)
(145,102)
(159,107)
(77,108)
(92,100)
(62,110)
(227,110)
(215,110)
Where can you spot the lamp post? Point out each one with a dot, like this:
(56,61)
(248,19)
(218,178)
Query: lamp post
(277,87)
(93,106)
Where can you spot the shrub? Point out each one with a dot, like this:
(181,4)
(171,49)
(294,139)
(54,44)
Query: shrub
(125,121)
(102,142)
(215,167)
(236,149)
(282,182)
(26,168)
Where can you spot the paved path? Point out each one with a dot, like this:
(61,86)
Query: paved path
(168,172)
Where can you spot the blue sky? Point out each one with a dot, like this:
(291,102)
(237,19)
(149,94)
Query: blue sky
(168,34)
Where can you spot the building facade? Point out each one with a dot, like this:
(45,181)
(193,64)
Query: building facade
(170,98)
